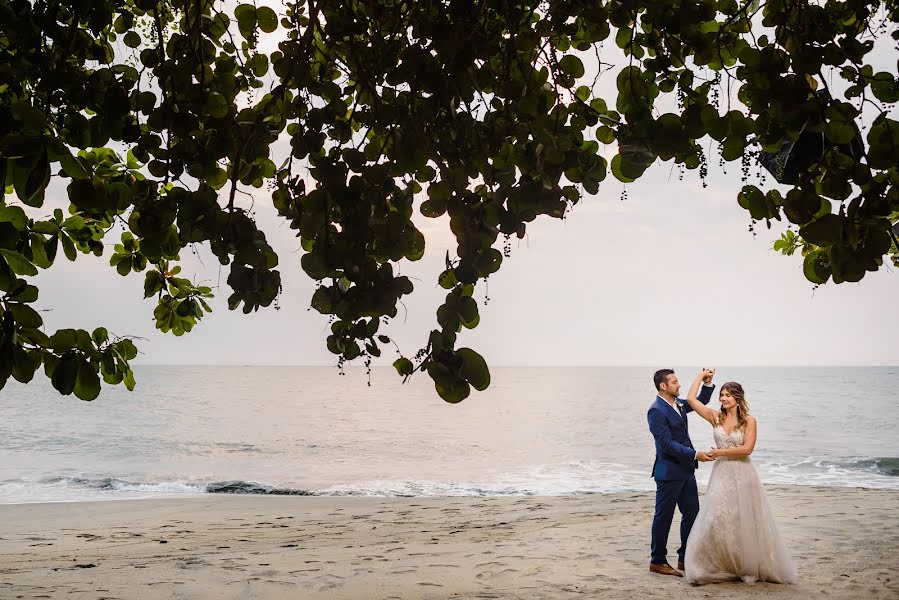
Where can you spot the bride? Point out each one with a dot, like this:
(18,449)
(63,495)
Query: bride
(735,535)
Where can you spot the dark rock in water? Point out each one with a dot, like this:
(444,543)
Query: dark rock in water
(888,466)
(251,487)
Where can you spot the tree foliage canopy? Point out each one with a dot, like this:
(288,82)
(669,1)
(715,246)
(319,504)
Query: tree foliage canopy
(154,115)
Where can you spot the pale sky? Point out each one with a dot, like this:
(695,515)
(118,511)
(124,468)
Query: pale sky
(670,276)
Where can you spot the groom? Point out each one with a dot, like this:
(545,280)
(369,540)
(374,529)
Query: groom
(676,461)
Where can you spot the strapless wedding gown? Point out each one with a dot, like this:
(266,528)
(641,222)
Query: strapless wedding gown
(735,536)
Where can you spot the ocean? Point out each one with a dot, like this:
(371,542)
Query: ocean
(191,430)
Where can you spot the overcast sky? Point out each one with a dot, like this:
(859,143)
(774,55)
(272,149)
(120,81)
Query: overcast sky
(669,276)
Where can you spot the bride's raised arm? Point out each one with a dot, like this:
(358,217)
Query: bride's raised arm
(709,414)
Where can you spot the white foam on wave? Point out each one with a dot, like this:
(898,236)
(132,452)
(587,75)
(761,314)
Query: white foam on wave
(571,478)
(80,488)
(819,472)
(574,478)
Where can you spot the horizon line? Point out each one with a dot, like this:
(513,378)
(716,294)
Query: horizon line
(513,366)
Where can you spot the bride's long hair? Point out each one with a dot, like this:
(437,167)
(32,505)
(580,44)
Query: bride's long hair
(735,390)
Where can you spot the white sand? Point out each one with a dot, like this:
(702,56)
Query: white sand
(845,542)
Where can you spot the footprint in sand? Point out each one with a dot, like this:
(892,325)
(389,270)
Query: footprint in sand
(492,574)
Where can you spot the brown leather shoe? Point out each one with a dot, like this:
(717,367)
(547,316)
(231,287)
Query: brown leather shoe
(680,565)
(664,569)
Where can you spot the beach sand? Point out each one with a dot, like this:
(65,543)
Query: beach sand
(844,541)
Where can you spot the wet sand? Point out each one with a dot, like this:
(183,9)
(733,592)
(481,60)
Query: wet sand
(844,542)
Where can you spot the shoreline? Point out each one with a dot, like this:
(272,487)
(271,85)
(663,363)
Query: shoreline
(208,495)
(843,541)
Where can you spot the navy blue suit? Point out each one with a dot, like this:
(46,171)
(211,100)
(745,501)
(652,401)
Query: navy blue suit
(674,472)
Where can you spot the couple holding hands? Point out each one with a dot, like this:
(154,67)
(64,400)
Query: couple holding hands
(734,535)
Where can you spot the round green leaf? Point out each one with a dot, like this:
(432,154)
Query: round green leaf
(816,268)
(267,19)
(132,39)
(403,366)
(100,335)
(474,368)
(454,393)
(572,65)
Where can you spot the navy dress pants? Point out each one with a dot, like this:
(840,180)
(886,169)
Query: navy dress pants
(683,494)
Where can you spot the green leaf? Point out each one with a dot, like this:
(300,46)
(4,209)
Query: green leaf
(128,379)
(885,87)
(127,349)
(65,374)
(13,215)
(68,247)
(18,263)
(100,335)
(605,135)
(259,64)
(816,268)
(24,364)
(321,300)
(87,381)
(123,22)
(25,316)
(634,157)
(24,294)
(153,282)
(267,19)
(403,366)
(63,340)
(474,369)
(840,128)
(468,311)
(572,65)
(39,252)
(246,19)
(839,132)
(36,181)
(433,208)
(72,165)
(616,170)
(132,39)
(454,392)
(124,265)
(823,231)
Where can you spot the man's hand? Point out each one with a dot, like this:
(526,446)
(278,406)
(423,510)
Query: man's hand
(707,375)
(703,457)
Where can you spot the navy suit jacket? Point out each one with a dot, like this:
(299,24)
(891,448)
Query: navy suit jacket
(674,450)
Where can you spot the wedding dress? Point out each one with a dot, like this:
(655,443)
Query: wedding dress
(735,536)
